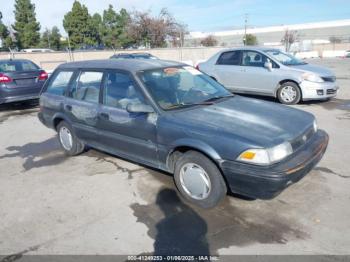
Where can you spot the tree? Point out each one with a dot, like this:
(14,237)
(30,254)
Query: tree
(80,27)
(27,29)
(250,40)
(210,40)
(289,38)
(114,28)
(96,24)
(51,39)
(150,31)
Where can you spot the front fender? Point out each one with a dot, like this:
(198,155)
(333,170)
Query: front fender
(196,145)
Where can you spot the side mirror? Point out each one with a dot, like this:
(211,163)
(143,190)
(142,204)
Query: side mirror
(139,108)
(268,65)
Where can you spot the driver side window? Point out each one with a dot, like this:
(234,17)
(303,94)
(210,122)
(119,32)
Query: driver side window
(121,90)
(252,58)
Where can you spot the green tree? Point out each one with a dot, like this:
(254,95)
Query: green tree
(5,36)
(97,27)
(27,29)
(79,25)
(250,40)
(51,39)
(114,28)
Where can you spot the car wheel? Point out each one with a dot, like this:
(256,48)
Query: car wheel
(289,93)
(199,180)
(69,142)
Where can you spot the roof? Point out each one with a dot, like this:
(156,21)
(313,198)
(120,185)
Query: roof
(15,60)
(132,65)
(258,48)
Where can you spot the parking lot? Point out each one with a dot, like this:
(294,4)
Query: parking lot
(96,203)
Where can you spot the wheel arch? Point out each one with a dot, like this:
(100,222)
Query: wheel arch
(280,83)
(58,118)
(186,145)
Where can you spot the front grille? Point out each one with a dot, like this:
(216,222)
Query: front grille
(329,78)
(302,139)
(331,91)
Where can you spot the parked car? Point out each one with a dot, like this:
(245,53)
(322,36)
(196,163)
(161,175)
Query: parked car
(172,117)
(20,80)
(270,72)
(134,56)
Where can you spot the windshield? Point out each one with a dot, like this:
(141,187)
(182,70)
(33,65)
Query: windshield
(177,87)
(284,58)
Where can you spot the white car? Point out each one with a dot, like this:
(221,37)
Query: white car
(270,72)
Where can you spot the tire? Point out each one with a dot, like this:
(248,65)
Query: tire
(291,98)
(194,163)
(76,146)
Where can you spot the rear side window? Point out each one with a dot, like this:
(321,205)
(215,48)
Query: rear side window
(59,83)
(87,87)
(230,58)
(17,66)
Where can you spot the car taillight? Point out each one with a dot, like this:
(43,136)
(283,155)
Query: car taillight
(43,76)
(5,79)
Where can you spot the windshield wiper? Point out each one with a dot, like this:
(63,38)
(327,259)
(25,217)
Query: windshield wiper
(212,99)
(180,105)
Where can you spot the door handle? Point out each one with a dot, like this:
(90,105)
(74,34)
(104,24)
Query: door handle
(104,115)
(69,107)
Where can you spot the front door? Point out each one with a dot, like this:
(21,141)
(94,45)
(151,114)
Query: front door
(82,103)
(255,78)
(130,135)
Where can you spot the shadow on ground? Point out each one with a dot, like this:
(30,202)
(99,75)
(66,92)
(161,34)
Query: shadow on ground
(37,154)
(180,229)
(17,109)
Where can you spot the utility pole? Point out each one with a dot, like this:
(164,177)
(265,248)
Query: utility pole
(245,28)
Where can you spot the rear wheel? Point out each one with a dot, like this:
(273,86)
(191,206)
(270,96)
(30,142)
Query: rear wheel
(199,180)
(70,144)
(289,93)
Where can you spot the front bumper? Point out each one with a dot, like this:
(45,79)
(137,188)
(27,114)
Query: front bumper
(318,91)
(265,182)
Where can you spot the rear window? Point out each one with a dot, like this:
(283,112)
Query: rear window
(17,66)
(59,83)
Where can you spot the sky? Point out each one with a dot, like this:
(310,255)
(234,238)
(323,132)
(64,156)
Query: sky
(200,15)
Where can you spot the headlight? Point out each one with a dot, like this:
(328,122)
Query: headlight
(315,126)
(312,77)
(266,156)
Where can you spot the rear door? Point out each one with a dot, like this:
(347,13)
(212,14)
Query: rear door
(228,69)
(82,104)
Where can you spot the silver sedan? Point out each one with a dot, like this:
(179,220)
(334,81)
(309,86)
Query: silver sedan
(270,72)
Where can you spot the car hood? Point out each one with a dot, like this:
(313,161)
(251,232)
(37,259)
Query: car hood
(257,122)
(322,71)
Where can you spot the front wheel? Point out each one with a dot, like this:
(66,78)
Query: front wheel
(199,180)
(70,143)
(289,93)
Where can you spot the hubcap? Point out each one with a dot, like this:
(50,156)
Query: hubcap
(66,138)
(195,181)
(288,93)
